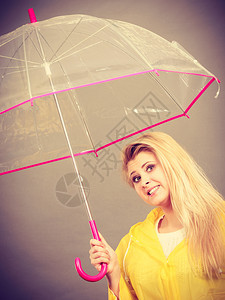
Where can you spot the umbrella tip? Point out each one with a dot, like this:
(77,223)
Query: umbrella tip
(32,15)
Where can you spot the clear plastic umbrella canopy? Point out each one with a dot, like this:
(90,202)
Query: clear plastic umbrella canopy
(76,84)
(102,71)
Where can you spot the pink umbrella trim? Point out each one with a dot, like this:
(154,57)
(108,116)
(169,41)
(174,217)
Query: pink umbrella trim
(102,81)
(120,139)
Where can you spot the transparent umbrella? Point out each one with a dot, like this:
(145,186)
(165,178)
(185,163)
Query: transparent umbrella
(74,85)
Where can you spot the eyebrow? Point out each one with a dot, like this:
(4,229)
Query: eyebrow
(150,161)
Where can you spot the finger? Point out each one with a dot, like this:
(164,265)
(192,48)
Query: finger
(94,242)
(99,248)
(99,260)
(96,253)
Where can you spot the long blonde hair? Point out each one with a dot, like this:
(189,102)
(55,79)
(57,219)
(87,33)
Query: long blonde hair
(197,204)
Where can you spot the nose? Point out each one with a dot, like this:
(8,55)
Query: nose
(145,182)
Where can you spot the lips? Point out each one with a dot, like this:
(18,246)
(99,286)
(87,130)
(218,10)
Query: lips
(152,190)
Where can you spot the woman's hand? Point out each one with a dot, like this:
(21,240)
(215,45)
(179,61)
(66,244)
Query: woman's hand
(101,252)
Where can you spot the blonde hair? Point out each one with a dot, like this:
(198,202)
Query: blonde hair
(197,204)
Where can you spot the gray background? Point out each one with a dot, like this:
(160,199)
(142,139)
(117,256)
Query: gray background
(40,237)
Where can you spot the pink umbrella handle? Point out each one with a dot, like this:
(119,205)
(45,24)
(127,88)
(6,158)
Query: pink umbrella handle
(78,266)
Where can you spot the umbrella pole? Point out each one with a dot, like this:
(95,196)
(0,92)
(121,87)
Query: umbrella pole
(48,73)
(92,223)
(73,158)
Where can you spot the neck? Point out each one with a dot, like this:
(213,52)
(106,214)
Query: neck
(170,221)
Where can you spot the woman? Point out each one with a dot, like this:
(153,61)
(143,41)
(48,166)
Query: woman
(178,252)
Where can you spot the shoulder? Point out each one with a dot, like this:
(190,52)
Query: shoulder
(141,227)
(150,221)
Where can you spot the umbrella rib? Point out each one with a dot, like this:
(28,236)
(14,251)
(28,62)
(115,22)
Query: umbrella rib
(17,59)
(85,125)
(26,68)
(67,37)
(13,58)
(78,106)
(71,153)
(10,40)
(62,56)
(20,70)
(58,58)
(8,68)
(167,92)
(84,40)
(41,55)
(87,47)
(30,93)
(148,64)
(66,134)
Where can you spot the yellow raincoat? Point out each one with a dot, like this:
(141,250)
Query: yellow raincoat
(148,275)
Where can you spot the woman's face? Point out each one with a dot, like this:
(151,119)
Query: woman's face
(149,179)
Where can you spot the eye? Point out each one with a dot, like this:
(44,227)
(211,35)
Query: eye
(136,179)
(149,168)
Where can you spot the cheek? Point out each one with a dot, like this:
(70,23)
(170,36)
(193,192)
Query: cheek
(164,181)
(136,188)
(167,187)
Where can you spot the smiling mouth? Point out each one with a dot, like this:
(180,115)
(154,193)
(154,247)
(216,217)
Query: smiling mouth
(153,190)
